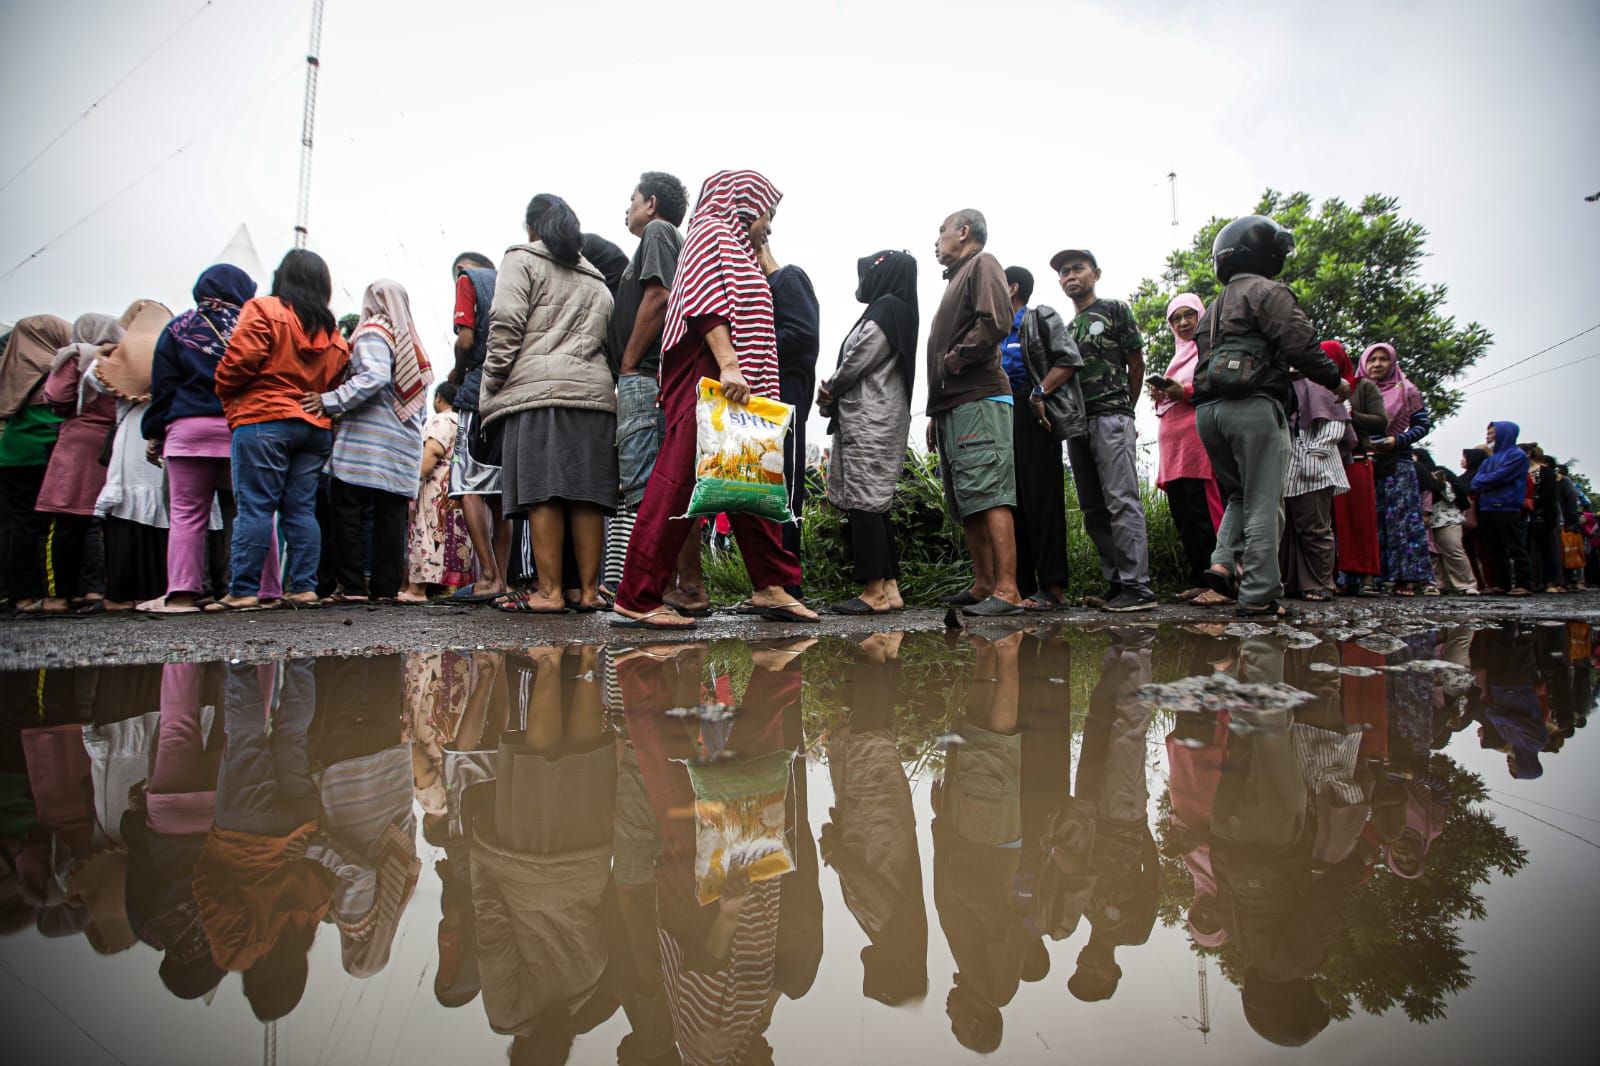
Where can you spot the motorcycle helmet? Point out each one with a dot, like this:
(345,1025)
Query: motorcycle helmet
(1254,244)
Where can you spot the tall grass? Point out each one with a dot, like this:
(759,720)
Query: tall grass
(933,553)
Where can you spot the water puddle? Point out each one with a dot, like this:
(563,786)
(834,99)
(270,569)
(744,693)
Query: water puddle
(1119,845)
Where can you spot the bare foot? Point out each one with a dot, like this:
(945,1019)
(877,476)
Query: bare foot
(661,619)
(776,596)
(687,599)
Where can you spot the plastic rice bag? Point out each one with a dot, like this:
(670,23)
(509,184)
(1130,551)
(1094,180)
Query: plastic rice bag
(739,810)
(739,455)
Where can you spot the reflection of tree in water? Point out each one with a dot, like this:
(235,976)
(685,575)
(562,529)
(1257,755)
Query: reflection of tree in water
(1398,942)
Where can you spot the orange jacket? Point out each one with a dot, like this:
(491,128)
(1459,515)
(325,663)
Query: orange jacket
(251,889)
(270,364)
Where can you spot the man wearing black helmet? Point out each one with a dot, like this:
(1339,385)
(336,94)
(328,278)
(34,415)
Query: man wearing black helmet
(1250,339)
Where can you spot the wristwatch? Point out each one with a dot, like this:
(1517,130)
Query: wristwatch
(1037,393)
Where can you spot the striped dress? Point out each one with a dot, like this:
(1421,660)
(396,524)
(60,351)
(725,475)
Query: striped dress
(372,446)
(1314,461)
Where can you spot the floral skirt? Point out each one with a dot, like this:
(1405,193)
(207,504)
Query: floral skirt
(1402,537)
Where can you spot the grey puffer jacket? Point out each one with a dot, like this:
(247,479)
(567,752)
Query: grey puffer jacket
(547,330)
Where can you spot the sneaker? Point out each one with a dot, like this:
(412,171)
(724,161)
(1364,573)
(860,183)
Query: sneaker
(1131,600)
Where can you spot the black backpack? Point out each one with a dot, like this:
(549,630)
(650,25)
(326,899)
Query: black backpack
(1237,366)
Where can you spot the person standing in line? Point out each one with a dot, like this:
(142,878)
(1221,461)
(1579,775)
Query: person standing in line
(969,421)
(75,475)
(1103,470)
(1402,535)
(633,346)
(1544,523)
(1040,523)
(868,404)
(719,325)
(31,428)
(438,552)
(186,433)
(1183,470)
(284,346)
(1571,521)
(377,451)
(1452,568)
(477,484)
(546,378)
(798,321)
(1254,333)
(1318,426)
(1355,514)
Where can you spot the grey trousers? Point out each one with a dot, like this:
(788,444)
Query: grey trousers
(1108,493)
(1248,442)
(1306,557)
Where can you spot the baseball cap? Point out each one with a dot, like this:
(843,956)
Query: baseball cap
(1072,253)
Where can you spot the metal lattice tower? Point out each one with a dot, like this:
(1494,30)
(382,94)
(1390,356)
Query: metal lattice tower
(1205,1005)
(307,125)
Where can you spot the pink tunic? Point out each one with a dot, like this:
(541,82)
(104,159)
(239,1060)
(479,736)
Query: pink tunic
(75,476)
(1182,454)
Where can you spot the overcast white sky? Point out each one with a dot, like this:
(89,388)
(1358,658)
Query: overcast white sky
(437,122)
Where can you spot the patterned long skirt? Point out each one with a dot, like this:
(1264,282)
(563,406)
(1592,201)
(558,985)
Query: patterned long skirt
(1402,537)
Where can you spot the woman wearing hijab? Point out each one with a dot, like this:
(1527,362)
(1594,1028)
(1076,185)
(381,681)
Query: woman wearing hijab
(30,433)
(1355,513)
(868,400)
(285,348)
(719,325)
(187,433)
(1318,427)
(77,471)
(1402,536)
(1183,470)
(547,386)
(377,450)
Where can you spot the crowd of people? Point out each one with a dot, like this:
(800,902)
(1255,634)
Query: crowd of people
(227,815)
(254,452)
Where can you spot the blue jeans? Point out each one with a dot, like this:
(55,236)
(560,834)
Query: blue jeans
(641,426)
(265,784)
(275,468)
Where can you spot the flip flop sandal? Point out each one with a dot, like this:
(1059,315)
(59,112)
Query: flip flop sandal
(703,612)
(856,606)
(339,599)
(92,607)
(159,607)
(1271,610)
(519,603)
(1210,598)
(993,607)
(784,612)
(622,621)
(1188,594)
(224,607)
(1220,583)
(1319,597)
(964,598)
(1431,590)
(1040,602)
(749,607)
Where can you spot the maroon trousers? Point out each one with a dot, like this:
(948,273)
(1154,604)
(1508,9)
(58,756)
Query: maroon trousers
(658,532)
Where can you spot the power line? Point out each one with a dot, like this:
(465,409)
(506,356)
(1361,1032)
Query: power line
(1541,373)
(211,127)
(1535,355)
(40,154)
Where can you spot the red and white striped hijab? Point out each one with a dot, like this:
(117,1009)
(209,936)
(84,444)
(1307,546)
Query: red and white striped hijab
(718,275)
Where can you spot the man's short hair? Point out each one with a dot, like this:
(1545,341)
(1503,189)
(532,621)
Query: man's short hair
(1022,278)
(477,259)
(976,224)
(672,199)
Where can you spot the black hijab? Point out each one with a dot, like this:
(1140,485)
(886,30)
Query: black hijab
(889,289)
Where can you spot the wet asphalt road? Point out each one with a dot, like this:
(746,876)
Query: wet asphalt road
(33,642)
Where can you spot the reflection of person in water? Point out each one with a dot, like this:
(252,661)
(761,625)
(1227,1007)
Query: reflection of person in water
(366,833)
(1111,776)
(260,897)
(1274,906)
(977,844)
(167,825)
(724,962)
(541,857)
(871,837)
(1512,710)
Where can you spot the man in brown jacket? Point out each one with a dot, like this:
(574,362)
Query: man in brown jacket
(969,411)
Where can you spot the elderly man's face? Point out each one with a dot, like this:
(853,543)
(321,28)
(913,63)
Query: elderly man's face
(1079,277)
(952,239)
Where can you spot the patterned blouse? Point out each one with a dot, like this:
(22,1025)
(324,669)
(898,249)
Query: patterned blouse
(1314,462)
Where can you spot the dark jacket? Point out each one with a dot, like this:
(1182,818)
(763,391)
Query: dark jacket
(1546,497)
(1252,305)
(1047,343)
(470,366)
(183,384)
(964,340)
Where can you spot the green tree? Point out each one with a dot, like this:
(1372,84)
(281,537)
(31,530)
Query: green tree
(1354,272)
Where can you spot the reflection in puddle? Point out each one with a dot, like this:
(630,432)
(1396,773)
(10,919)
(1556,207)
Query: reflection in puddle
(1253,833)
